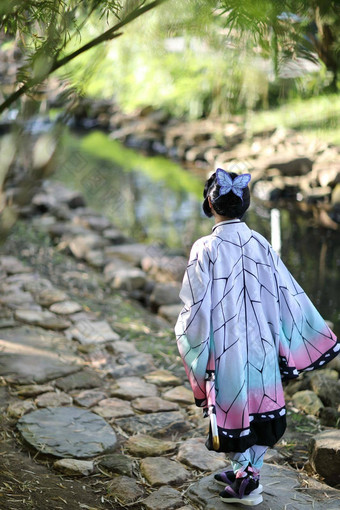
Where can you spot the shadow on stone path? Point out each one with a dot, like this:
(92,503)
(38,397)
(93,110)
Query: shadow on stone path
(86,410)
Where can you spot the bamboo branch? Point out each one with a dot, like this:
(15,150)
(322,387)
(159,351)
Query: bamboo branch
(106,36)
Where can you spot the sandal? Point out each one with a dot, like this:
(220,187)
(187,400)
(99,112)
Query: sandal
(229,477)
(242,490)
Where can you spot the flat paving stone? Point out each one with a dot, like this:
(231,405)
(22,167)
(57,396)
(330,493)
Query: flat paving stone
(130,388)
(111,408)
(89,398)
(132,365)
(91,332)
(53,399)
(74,467)
(66,307)
(153,405)
(142,445)
(179,394)
(125,490)
(162,378)
(281,490)
(156,424)
(117,463)
(43,318)
(165,498)
(83,379)
(162,471)
(195,454)
(19,408)
(67,432)
(33,355)
(123,347)
(32,390)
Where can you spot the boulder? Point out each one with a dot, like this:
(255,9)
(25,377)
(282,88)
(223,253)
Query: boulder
(290,167)
(307,401)
(324,455)
(132,253)
(129,279)
(170,312)
(165,268)
(165,294)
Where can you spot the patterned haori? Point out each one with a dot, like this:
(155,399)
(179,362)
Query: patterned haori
(246,317)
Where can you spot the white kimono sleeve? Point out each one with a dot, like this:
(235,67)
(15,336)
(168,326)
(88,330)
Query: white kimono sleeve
(193,325)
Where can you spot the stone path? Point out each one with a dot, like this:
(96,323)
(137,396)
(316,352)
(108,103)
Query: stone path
(84,395)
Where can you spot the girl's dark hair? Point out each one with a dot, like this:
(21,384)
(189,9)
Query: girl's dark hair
(228,205)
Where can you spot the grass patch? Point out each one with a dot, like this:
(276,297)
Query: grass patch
(314,117)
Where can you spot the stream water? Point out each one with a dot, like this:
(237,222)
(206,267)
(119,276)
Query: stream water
(155,200)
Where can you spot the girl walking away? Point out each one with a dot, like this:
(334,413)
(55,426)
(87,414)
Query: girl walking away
(246,325)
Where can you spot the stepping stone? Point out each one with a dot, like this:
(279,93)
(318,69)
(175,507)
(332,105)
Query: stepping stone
(117,463)
(83,379)
(165,498)
(67,432)
(91,332)
(179,394)
(66,307)
(125,490)
(74,467)
(130,388)
(153,405)
(32,390)
(142,445)
(162,377)
(53,399)
(281,489)
(18,409)
(132,365)
(194,453)
(33,355)
(156,424)
(162,471)
(111,408)
(89,398)
(49,296)
(44,319)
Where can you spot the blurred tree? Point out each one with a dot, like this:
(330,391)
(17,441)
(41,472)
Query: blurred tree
(43,28)
(289,28)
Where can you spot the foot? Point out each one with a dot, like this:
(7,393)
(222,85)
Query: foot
(229,477)
(242,491)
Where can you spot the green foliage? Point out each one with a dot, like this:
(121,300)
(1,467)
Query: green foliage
(156,168)
(46,27)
